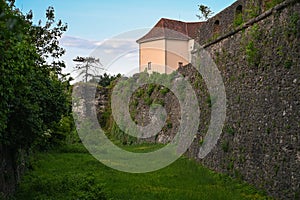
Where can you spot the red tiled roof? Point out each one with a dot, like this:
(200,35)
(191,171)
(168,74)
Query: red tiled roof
(172,29)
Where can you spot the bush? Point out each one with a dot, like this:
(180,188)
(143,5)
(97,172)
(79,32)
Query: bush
(225,146)
(229,130)
(164,90)
(139,93)
(82,187)
(148,101)
(151,88)
(238,19)
(252,54)
(272,3)
(72,148)
(169,125)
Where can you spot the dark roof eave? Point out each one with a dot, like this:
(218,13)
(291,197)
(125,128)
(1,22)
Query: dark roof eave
(162,38)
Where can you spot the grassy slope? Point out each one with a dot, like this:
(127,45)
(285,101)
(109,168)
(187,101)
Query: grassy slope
(74,174)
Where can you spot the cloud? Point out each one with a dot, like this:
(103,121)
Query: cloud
(115,54)
(71,41)
(117,45)
(110,50)
(75,42)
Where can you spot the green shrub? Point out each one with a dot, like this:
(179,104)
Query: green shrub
(293,27)
(134,103)
(252,54)
(63,187)
(201,141)
(225,146)
(229,130)
(164,90)
(139,93)
(211,100)
(148,101)
(208,101)
(151,88)
(253,12)
(169,125)
(255,32)
(272,3)
(72,148)
(230,165)
(288,64)
(238,20)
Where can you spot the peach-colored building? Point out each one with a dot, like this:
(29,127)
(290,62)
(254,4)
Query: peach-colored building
(167,45)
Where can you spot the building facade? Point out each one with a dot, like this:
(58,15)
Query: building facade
(167,46)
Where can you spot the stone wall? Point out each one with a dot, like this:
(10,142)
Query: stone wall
(260,66)
(220,23)
(232,17)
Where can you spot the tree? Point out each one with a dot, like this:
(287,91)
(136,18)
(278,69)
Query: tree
(33,92)
(88,67)
(105,79)
(205,12)
(46,39)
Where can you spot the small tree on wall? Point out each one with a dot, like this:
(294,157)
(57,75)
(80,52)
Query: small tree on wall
(88,67)
(205,12)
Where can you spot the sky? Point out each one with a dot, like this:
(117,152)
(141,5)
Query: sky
(108,29)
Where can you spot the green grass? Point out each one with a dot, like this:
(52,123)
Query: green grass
(72,173)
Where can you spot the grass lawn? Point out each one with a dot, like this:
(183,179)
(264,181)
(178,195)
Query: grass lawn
(72,173)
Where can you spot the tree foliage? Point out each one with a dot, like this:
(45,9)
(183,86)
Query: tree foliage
(205,12)
(33,92)
(105,79)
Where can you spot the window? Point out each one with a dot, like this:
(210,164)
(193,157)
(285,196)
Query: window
(216,27)
(180,64)
(149,65)
(238,19)
(239,10)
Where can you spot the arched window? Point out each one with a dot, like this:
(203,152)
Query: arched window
(216,26)
(239,10)
(238,18)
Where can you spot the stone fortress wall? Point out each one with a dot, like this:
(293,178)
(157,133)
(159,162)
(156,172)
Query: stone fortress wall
(256,47)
